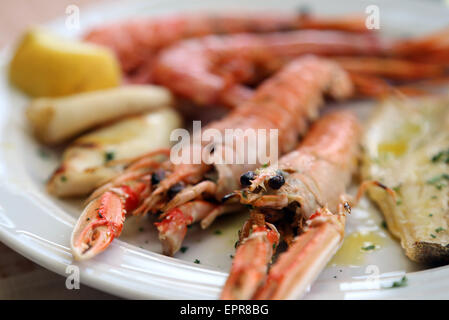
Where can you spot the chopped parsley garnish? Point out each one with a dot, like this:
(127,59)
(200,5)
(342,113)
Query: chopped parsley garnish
(183,249)
(397,188)
(436,181)
(400,283)
(442,156)
(197,261)
(433,236)
(274,246)
(431,215)
(108,156)
(369,247)
(399,202)
(439,229)
(63,178)
(265,165)
(44,154)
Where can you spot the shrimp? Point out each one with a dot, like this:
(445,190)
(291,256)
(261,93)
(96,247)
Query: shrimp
(213,69)
(136,42)
(304,197)
(187,193)
(216,68)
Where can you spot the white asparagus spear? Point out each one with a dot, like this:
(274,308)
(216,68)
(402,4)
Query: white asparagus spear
(55,120)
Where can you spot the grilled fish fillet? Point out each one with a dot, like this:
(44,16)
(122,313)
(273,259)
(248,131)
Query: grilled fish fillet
(406,148)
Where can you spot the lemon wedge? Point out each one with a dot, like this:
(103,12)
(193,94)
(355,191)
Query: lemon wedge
(47,65)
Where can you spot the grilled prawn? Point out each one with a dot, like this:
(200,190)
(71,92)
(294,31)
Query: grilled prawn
(186,193)
(137,42)
(217,69)
(302,200)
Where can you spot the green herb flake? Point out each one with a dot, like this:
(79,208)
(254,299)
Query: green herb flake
(217,232)
(433,236)
(197,261)
(430,215)
(400,283)
(436,181)
(63,178)
(265,165)
(442,156)
(384,224)
(184,249)
(44,154)
(439,229)
(369,247)
(109,156)
(399,202)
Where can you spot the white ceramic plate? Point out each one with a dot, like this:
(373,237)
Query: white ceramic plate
(39,226)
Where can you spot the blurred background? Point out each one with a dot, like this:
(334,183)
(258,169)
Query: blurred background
(17,15)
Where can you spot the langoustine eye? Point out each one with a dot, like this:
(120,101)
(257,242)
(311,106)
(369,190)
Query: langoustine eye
(247,177)
(276,181)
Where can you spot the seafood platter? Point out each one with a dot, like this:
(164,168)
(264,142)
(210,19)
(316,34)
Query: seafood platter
(278,150)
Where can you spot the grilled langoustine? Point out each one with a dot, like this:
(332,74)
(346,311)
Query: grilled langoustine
(301,200)
(187,193)
(137,42)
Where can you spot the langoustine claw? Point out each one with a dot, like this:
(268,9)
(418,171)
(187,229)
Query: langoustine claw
(259,240)
(102,219)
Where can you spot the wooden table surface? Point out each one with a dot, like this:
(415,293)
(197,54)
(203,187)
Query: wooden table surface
(19,277)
